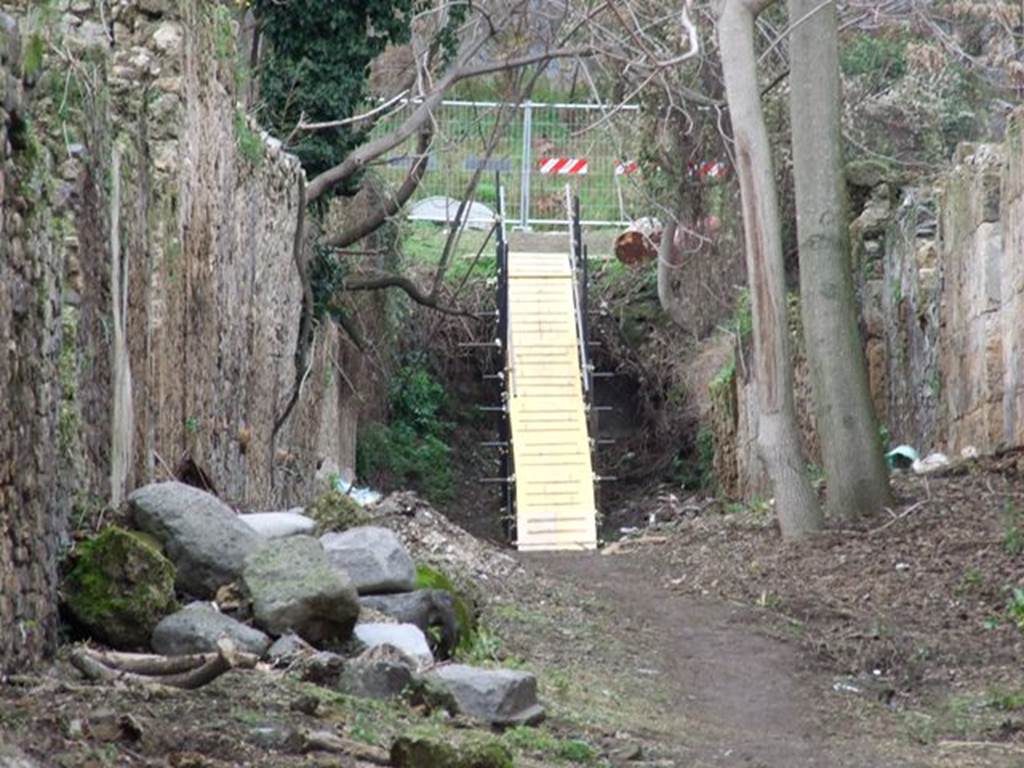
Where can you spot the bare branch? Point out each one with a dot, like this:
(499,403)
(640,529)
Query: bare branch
(393,203)
(376,282)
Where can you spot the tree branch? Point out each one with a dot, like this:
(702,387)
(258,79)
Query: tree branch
(360,157)
(382,280)
(392,204)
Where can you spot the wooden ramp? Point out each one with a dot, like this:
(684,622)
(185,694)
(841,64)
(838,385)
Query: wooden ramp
(554,480)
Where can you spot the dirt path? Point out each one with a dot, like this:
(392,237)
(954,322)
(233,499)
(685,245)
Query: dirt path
(742,697)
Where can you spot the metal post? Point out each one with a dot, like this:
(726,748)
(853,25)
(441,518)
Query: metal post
(527,167)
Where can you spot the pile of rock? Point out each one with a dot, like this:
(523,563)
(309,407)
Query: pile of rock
(342,609)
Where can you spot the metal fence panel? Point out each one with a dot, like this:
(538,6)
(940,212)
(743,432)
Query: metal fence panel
(531,133)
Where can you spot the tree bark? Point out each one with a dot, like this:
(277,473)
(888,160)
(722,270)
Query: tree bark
(777,435)
(856,478)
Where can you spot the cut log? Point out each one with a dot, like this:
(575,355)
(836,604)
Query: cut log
(639,244)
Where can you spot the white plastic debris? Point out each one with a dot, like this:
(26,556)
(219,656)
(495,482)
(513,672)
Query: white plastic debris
(930,463)
(969,452)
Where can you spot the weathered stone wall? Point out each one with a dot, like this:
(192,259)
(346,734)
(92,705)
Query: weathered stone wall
(941,277)
(31,515)
(149,295)
(185,322)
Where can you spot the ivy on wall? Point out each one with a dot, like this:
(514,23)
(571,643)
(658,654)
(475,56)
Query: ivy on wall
(317,66)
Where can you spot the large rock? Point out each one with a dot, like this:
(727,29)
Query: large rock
(376,676)
(432,610)
(278,525)
(119,588)
(497,696)
(407,638)
(294,588)
(203,536)
(197,628)
(373,558)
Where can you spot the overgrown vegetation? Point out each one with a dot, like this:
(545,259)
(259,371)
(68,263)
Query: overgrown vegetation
(411,449)
(318,67)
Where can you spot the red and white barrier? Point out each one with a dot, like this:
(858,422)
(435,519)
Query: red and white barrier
(564,166)
(626,167)
(709,170)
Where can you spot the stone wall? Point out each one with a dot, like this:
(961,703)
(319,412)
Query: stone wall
(184,323)
(149,295)
(31,514)
(941,277)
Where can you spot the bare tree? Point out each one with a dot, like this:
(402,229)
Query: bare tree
(856,477)
(777,434)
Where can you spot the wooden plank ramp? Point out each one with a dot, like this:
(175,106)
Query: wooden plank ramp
(554,479)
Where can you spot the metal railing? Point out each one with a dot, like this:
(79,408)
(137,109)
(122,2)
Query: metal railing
(529,133)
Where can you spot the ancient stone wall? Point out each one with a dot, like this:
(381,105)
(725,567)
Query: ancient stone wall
(186,298)
(941,279)
(31,513)
(149,295)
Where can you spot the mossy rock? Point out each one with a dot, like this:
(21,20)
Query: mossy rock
(483,750)
(465,603)
(119,588)
(422,749)
(334,511)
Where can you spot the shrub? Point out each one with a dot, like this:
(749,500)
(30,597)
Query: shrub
(412,449)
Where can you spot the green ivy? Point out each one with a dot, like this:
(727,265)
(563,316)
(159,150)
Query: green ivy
(319,63)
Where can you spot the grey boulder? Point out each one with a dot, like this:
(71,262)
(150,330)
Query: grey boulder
(407,638)
(278,525)
(432,610)
(197,628)
(375,678)
(496,696)
(201,535)
(287,648)
(294,588)
(373,558)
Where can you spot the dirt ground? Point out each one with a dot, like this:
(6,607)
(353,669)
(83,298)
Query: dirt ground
(700,642)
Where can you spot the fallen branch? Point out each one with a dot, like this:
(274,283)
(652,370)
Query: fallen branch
(150,663)
(112,667)
(324,741)
(897,518)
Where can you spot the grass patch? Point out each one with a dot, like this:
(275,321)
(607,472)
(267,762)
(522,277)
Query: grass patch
(541,743)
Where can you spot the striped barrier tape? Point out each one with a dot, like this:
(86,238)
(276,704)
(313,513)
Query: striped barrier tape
(564,166)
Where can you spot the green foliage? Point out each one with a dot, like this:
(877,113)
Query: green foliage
(318,67)
(541,743)
(223,32)
(33,60)
(879,59)
(250,146)
(412,448)
(1012,701)
(327,277)
(1015,607)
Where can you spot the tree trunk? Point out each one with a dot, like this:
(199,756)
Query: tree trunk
(856,477)
(777,434)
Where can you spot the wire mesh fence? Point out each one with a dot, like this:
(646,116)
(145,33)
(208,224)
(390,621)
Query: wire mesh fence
(538,149)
